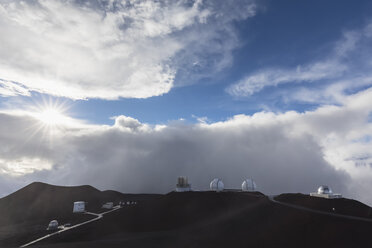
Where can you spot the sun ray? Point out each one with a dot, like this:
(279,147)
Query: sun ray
(52,117)
(51,120)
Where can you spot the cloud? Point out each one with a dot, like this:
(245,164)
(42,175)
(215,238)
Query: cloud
(283,152)
(345,67)
(21,166)
(112,49)
(273,77)
(8,88)
(130,124)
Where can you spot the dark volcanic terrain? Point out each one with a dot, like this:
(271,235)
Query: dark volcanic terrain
(188,219)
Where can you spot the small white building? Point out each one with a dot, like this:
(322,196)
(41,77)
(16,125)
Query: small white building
(53,225)
(325,192)
(79,207)
(108,205)
(249,185)
(217,185)
(183,184)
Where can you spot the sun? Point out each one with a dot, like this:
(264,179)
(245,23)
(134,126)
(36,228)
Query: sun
(52,116)
(51,119)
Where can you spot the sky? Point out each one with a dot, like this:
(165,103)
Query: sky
(129,95)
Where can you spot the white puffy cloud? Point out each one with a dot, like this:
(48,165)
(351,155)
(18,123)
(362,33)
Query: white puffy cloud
(112,49)
(283,152)
(130,124)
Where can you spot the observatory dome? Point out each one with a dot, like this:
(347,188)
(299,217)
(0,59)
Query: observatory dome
(217,185)
(324,190)
(249,185)
(53,225)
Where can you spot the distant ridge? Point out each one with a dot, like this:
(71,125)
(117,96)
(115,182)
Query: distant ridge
(45,201)
(40,186)
(340,206)
(186,219)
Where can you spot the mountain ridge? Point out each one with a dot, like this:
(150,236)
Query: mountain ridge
(182,219)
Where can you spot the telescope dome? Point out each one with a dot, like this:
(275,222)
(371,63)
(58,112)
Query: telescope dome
(324,190)
(217,185)
(249,185)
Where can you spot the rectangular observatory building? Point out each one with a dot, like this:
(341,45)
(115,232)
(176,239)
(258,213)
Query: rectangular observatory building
(79,207)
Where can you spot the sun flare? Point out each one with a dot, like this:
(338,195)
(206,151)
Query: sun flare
(52,117)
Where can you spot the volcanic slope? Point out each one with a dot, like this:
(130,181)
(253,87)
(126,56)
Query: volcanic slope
(25,214)
(335,206)
(211,219)
(225,219)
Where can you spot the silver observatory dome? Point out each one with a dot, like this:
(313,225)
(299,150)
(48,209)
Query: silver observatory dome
(324,190)
(217,185)
(249,185)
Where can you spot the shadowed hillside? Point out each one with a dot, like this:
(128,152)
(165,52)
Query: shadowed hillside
(29,210)
(337,205)
(40,200)
(195,219)
(210,219)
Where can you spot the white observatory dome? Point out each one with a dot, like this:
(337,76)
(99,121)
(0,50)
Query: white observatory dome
(217,185)
(324,190)
(249,185)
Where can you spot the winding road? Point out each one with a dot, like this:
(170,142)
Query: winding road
(98,216)
(271,198)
